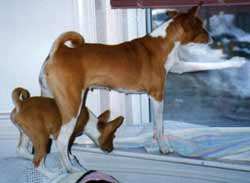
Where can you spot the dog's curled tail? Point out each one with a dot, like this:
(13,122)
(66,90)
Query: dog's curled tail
(19,95)
(75,38)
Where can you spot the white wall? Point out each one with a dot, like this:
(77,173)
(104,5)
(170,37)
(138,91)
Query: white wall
(28,29)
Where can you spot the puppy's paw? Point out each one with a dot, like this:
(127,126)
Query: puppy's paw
(24,153)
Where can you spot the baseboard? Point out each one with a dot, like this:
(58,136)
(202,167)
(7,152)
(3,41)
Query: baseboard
(7,130)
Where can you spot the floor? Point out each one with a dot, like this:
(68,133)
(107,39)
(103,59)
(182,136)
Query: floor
(136,167)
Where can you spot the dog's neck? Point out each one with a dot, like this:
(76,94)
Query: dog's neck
(161,31)
(91,129)
(163,43)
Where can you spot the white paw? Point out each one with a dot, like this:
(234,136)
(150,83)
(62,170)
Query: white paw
(165,150)
(24,153)
(152,148)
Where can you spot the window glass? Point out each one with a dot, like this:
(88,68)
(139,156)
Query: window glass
(214,97)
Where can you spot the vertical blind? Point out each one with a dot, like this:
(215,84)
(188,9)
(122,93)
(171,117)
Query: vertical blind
(173,3)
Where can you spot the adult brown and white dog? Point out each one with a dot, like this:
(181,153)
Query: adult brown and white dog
(139,65)
(38,119)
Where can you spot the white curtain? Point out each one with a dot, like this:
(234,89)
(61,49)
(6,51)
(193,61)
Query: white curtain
(99,23)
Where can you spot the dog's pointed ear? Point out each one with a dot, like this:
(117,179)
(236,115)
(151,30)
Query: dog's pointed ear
(194,11)
(104,117)
(171,13)
(114,124)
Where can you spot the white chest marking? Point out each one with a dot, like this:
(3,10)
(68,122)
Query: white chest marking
(172,57)
(161,31)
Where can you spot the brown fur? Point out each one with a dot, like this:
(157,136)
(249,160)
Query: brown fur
(39,118)
(130,65)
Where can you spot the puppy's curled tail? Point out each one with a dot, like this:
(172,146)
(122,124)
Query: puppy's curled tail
(19,95)
(75,38)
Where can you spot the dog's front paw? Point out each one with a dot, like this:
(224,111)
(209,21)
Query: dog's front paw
(165,149)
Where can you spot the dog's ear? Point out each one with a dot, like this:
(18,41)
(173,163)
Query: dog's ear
(172,13)
(104,117)
(194,11)
(110,127)
(114,124)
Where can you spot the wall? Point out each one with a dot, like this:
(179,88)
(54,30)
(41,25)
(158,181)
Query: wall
(27,33)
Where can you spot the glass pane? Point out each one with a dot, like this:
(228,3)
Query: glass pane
(216,97)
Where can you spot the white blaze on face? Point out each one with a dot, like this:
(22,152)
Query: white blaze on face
(161,31)
(91,129)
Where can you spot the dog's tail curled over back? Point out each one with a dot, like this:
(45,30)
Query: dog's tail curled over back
(19,95)
(75,38)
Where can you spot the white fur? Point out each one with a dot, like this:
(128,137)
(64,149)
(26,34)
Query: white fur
(91,128)
(62,141)
(161,30)
(23,148)
(158,125)
(43,82)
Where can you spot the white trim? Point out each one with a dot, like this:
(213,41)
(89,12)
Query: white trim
(8,131)
(166,158)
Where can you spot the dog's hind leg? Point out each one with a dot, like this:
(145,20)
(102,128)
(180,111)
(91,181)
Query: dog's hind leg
(40,147)
(66,131)
(41,143)
(23,146)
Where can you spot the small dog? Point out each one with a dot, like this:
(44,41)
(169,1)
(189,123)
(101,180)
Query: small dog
(39,119)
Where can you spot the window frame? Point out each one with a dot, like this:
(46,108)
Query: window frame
(173,4)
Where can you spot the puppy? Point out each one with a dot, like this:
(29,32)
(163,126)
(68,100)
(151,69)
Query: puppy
(38,119)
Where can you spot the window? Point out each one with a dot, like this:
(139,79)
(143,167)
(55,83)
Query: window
(216,97)
(197,101)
